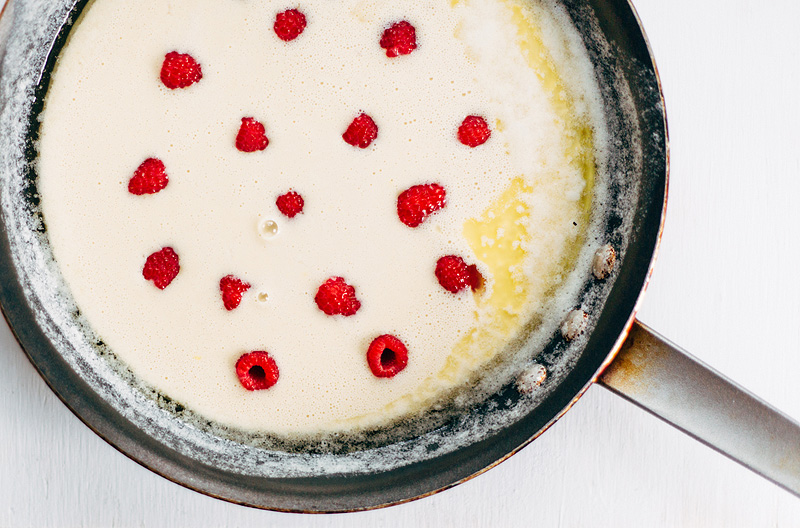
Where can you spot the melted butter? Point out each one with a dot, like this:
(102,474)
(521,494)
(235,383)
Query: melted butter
(500,235)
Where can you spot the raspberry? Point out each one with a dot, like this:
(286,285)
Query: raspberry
(289,24)
(232,289)
(257,370)
(474,131)
(399,39)
(252,136)
(417,202)
(149,178)
(290,204)
(180,70)
(387,356)
(162,267)
(455,275)
(361,132)
(336,297)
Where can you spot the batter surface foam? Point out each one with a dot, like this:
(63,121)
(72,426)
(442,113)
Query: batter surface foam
(518,206)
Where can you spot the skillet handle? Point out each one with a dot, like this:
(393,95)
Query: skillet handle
(666,381)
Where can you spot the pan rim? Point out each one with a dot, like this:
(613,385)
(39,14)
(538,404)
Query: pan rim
(10,313)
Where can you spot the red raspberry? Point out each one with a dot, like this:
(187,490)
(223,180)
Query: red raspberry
(399,39)
(336,297)
(290,204)
(455,275)
(162,267)
(417,202)
(361,132)
(252,136)
(289,24)
(180,70)
(257,370)
(149,178)
(387,356)
(474,131)
(232,289)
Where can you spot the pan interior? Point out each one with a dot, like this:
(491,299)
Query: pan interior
(389,463)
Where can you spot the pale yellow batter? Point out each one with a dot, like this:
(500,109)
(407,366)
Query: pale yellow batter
(517,205)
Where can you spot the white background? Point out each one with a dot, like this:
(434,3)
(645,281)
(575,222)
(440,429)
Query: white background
(726,287)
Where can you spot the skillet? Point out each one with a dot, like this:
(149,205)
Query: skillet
(373,476)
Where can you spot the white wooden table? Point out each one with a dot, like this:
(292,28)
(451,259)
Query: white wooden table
(726,287)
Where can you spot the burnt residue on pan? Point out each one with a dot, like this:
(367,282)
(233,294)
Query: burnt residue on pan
(333,473)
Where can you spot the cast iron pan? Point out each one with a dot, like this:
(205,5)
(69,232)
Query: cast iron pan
(374,471)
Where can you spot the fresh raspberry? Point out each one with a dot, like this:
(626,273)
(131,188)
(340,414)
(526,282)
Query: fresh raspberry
(290,204)
(162,267)
(474,131)
(252,136)
(336,297)
(149,178)
(387,356)
(180,70)
(455,275)
(289,24)
(361,132)
(417,202)
(232,289)
(257,370)
(399,39)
